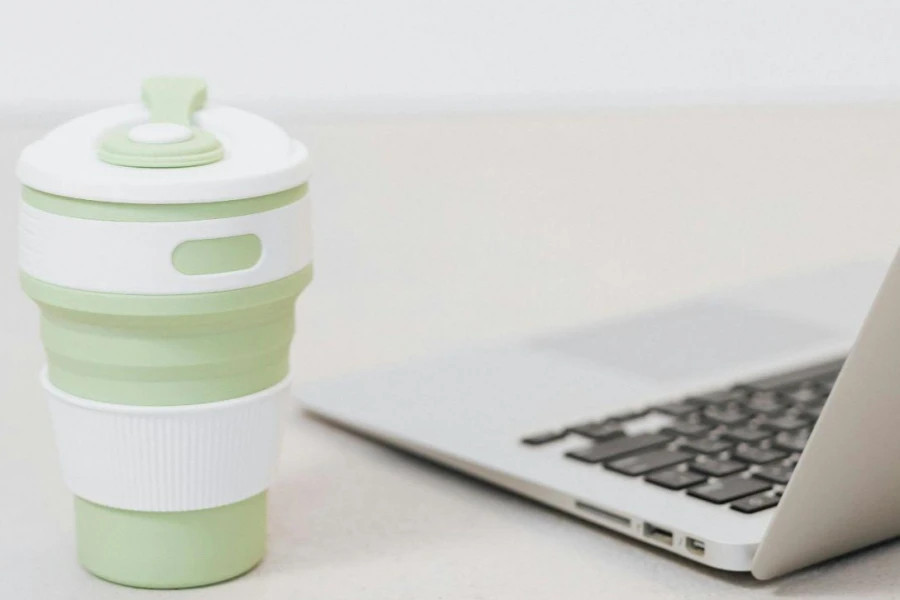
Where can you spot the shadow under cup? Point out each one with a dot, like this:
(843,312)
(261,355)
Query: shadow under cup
(168,350)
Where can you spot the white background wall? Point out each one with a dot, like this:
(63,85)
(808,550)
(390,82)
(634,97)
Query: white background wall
(396,55)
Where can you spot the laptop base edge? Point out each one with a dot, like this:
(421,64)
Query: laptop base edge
(709,553)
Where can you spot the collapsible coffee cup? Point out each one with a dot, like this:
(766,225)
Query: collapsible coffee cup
(165,244)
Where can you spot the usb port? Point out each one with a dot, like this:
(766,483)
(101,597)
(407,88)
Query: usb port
(695,546)
(658,534)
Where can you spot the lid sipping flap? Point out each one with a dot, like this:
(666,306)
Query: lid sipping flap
(170,139)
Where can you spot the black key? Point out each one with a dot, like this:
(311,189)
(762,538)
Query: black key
(758,456)
(793,441)
(675,479)
(717,468)
(816,403)
(785,423)
(746,434)
(832,376)
(725,415)
(687,428)
(805,394)
(628,416)
(694,417)
(813,412)
(765,403)
(775,473)
(795,379)
(723,396)
(755,503)
(707,445)
(726,490)
(599,430)
(619,447)
(640,464)
(677,409)
(543,438)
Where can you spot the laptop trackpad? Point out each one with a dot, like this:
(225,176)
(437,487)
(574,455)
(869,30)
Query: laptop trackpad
(690,341)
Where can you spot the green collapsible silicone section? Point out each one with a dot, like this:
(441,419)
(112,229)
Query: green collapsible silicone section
(168,361)
(167,350)
(170,100)
(136,548)
(121,211)
(218,255)
(158,350)
(100,303)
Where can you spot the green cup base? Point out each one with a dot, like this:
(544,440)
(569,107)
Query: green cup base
(171,550)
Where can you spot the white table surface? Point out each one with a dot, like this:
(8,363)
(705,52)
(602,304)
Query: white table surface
(437,232)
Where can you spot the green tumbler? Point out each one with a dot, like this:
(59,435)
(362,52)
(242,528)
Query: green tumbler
(166,243)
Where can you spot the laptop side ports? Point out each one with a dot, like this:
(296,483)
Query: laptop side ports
(658,534)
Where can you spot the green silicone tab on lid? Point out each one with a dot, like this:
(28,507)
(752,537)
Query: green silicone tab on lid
(170,139)
(173,99)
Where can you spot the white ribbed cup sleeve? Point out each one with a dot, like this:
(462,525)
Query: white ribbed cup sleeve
(168,459)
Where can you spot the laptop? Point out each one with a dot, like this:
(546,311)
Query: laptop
(757,429)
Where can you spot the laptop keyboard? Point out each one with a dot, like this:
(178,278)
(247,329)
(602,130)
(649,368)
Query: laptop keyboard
(736,446)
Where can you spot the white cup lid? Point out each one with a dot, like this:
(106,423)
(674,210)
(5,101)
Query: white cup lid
(258,158)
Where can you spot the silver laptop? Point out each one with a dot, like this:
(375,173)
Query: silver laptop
(756,430)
